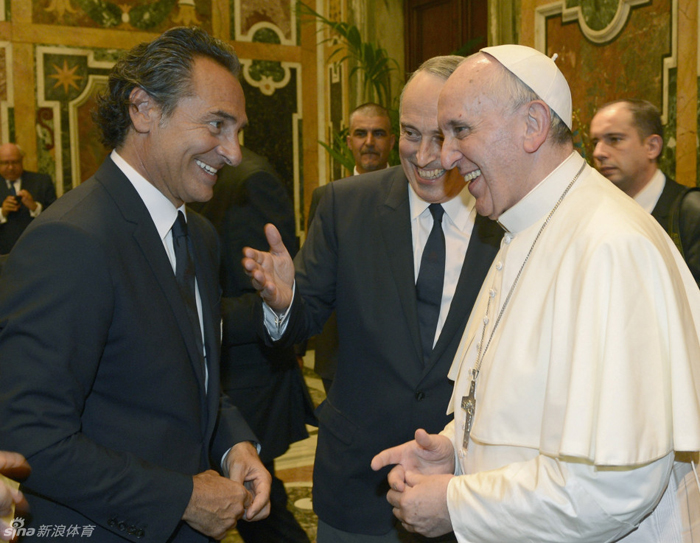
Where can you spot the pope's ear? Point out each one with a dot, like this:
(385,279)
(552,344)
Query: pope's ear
(537,125)
(142,110)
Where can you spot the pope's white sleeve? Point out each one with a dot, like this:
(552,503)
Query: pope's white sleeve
(550,500)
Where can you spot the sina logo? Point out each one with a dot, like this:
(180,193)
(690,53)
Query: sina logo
(17,528)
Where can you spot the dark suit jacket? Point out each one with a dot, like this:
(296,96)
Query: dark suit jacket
(42,190)
(264,382)
(358,260)
(662,210)
(108,401)
(325,343)
(689,227)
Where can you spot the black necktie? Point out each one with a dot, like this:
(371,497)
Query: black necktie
(185,274)
(431,277)
(11,186)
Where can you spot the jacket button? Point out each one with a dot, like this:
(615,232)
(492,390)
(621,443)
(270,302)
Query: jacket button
(420,396)
(121,526)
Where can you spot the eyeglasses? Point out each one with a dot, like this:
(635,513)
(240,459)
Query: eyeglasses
(10,162)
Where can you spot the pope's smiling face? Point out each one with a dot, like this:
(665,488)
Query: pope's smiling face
(421,140)
(483,136)
(183,152)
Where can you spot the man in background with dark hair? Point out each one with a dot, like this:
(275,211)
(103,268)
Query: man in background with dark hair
(23,195)
(370,137)
(628,139)
(110,319)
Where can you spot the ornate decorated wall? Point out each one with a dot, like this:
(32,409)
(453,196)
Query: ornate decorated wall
(611,49)
(55,56)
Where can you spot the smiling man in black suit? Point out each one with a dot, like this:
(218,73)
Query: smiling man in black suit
(110,318)
(400,255)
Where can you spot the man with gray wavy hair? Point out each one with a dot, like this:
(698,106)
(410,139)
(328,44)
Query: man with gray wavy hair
(577,381)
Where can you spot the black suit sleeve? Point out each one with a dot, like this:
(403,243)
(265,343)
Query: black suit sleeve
(56,304)
(315,199)
(316,274)
(47,195)
(690,232)
(261,200)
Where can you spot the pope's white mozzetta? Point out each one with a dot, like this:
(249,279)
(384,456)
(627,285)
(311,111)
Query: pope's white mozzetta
(591,377)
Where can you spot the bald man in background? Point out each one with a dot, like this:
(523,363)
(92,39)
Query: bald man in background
(24,195)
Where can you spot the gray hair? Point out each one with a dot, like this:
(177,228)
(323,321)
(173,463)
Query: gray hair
(442,67)
(162,68)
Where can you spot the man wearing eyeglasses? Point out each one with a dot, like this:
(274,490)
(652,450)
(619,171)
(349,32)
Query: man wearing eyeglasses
(24,195)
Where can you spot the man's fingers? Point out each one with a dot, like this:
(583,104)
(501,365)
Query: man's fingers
(396,478)
(425,440)
(412,478)
(386,458)
(258,510)
(393,497)
(274,239)
(14,465)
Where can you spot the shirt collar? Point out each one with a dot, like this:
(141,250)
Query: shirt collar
(355,172)
(650,194)
(458,209)
(162,211)
(540,200)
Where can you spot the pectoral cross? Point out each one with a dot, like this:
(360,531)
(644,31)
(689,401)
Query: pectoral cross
(469,406)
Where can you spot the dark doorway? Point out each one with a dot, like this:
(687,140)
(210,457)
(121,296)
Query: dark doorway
(442,27)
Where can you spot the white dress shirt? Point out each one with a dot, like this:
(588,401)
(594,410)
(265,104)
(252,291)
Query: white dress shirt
(457,224)
(650,194)
(164,214)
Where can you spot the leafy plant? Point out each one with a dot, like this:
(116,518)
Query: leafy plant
(369,61)
(371,64)
(339,151)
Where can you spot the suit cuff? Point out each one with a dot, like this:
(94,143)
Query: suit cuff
(275,323)
(34,214)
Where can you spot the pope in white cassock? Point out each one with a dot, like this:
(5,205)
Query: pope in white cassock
(577,382)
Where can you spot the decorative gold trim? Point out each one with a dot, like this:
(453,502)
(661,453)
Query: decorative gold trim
(568,15)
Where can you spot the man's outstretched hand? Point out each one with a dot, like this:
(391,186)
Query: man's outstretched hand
(271,273)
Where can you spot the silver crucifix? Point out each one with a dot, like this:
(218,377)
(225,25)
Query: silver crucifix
(469,406)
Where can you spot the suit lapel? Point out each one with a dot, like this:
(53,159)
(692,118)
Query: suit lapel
(483,246)
(395,225)
(146,237)
(662,209)
(4,191)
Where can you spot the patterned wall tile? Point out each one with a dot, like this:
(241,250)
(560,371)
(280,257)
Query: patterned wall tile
(633,64)
(147,15)
(67,81)
(274,127)
(249,16)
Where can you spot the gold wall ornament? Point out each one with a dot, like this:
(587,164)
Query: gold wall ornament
(186,13)
(60,7)
(583,11)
